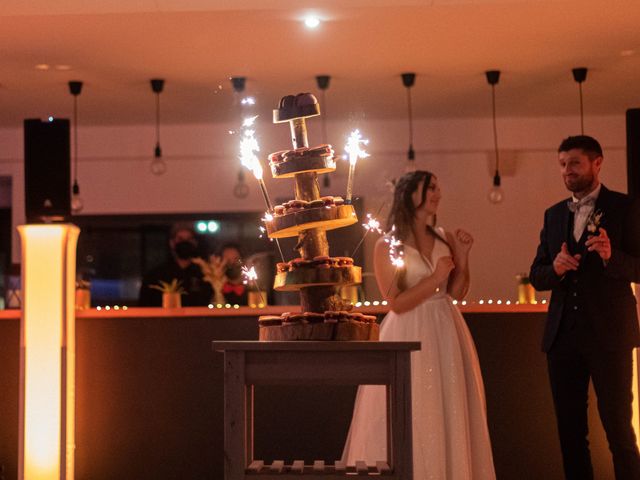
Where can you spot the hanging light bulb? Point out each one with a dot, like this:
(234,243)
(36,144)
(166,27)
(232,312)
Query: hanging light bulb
(158,165)
(496,195)
(323,85)
(77,204)
(408,80)
(580,75)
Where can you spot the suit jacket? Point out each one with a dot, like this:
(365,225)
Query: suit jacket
(600,294)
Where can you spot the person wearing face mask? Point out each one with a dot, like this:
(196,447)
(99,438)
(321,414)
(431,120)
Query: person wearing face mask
(234,290)
(184,247)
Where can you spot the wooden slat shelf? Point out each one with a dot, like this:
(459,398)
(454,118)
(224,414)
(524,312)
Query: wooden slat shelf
(319,469)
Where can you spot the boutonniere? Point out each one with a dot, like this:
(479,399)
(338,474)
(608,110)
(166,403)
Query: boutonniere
(593,222)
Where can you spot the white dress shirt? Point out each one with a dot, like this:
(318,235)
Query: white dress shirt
(584,209)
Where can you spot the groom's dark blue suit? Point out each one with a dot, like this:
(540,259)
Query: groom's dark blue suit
(591,329)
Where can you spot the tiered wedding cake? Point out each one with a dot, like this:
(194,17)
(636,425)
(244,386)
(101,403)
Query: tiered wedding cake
(318,276)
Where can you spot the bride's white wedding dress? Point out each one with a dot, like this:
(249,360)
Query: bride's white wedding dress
(450,434)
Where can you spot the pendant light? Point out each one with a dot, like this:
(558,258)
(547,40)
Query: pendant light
(580,75)
(496,195)
(323,85)
(241,189)
(75,88)
(408,80)
(158,165)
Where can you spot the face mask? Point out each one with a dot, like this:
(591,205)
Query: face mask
(185,250)
(233,273)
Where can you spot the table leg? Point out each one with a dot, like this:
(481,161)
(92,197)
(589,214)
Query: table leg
(401,429)
(249,390)
(235,459)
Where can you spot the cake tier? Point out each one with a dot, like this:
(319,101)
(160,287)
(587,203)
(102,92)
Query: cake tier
(288,163)
(299,106)
(325,218)
(338,326)
(316,277)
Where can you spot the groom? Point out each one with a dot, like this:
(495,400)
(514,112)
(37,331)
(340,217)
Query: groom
(589,253)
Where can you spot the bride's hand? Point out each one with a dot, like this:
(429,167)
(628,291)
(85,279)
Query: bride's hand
(462,241)
(443,268)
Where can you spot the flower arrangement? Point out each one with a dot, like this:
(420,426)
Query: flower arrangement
(213,272)
(593,222)
(174,286)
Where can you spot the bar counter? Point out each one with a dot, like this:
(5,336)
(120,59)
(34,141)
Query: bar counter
(149,397)
(152,312)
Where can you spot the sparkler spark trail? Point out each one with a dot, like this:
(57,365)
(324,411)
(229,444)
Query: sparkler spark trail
(250,275)
(268,217)
(396,254)
(372,225)
(248,148)
(355,151)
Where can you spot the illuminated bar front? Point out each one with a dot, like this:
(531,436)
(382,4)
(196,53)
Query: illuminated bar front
(47,352)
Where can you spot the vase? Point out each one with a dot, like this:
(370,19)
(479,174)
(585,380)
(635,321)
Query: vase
(171,300)
(257,298)
(83,298)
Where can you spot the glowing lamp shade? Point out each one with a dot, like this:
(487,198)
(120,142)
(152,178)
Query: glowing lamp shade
(47,352)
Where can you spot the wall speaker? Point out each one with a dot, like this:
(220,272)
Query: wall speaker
(47,170)
(633,151)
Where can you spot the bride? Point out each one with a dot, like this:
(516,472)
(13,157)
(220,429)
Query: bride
(450,434)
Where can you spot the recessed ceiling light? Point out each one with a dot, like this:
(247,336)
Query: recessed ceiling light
(63,68)
(311,21)
(42,66)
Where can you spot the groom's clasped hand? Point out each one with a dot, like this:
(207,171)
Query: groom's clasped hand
(564,261)
(600,244)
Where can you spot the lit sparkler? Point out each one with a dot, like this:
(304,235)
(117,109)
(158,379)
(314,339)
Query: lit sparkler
(248,148)
(355,151)
(396,252)
(250,275)
(372,225)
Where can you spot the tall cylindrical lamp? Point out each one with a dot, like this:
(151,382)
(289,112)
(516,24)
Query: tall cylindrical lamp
(47,352)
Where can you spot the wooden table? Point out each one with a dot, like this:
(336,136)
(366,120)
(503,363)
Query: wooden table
(247,364)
